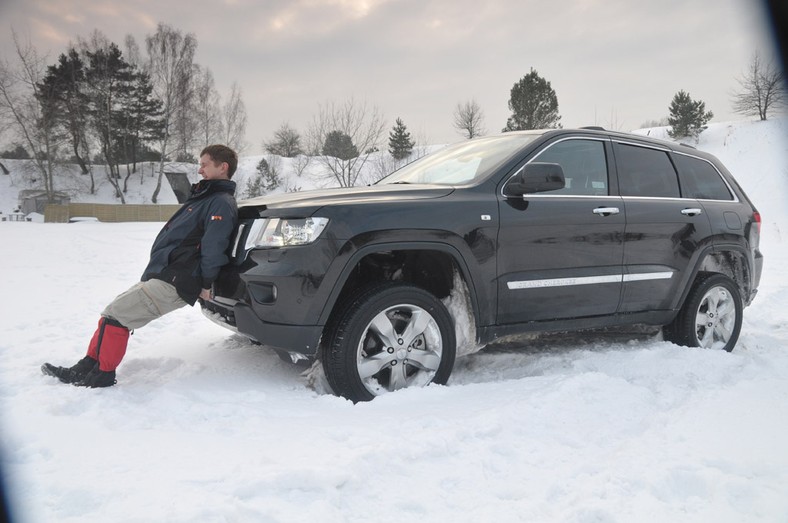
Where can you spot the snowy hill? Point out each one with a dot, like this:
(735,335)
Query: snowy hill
(205,427)
(297,174)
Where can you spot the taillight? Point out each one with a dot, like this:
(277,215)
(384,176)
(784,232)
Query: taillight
(757,217)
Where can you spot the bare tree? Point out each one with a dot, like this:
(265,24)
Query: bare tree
(133,55)
(469,119)
(762,89)
(185,118)
(300,164)
(234,120)
(170,59)
(21,102)
(286,142)
(207,108)
(363,126)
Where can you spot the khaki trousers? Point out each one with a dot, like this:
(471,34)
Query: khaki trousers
(143,303)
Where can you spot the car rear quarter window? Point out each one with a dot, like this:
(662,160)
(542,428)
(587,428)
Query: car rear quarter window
(699,179)
(584,164)
(643,171)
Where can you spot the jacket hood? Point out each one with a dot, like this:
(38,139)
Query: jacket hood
(205,187)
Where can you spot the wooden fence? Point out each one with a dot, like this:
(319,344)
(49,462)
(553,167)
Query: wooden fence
(109,212)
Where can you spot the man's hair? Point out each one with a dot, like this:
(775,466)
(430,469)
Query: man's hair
(222,153)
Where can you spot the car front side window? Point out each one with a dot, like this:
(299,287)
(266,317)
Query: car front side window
(584,164)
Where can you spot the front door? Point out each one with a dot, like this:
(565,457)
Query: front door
(560,252)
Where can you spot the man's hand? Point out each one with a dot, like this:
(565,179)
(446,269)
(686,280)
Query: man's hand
(206,294)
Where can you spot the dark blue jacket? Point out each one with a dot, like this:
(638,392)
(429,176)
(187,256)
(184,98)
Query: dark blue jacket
(194,243)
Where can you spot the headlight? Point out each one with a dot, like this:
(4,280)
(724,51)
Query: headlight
(283,232)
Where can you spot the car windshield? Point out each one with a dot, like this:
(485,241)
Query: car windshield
(462,163)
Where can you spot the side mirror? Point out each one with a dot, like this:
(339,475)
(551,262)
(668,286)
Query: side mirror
(536,177)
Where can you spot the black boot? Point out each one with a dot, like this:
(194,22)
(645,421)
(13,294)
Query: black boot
(97,378)
(73,374)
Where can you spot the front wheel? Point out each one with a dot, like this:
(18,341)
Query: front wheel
(711,316)
(391,336)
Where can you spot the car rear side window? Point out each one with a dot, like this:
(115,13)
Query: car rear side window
(643,171)
(699,179)
(584,164)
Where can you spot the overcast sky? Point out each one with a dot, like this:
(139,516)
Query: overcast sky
(615,63)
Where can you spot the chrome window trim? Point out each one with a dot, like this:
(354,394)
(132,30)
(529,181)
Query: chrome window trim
(581,196)
(646,145)
(661,198)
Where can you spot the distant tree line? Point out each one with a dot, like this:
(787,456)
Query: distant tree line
(98,104)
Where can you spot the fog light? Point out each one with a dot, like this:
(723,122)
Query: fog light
(264,293)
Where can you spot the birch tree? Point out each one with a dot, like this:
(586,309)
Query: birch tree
(234,120)
(21,102)
(170,59)
(207,108)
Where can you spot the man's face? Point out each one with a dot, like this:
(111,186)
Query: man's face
(211,171)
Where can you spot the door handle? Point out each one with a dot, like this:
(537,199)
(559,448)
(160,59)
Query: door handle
(691,212)
(606,211)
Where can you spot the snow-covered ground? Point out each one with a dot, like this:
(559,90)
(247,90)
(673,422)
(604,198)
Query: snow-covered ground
(205,427)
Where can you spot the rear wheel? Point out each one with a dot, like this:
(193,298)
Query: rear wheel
(711,316)
(391,336)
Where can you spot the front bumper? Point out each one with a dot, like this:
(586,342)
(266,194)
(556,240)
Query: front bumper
(239,317)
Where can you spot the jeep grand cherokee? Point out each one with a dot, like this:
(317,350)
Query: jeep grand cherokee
(533,230)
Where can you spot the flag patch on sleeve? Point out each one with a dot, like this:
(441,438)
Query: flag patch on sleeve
(216,218)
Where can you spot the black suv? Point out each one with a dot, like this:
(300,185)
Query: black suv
(525,231)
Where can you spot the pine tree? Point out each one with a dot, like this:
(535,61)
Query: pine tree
(339,145)
(534,104)
(141,120)
(400,144)
(266,179)
(688,118)
(111,83)
(254,185)
(67,101)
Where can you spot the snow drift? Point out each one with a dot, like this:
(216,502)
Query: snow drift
(203,426)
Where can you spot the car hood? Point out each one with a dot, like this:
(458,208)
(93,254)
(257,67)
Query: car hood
(309,201)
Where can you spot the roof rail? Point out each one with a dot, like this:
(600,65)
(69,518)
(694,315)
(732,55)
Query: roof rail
(594,128)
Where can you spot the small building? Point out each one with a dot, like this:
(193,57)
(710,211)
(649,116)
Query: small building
(35,200)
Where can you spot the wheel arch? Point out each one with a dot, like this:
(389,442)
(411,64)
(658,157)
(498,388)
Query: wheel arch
(428,265)
(731,260)
(734,262)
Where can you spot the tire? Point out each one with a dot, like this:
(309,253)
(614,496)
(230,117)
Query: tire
(388,337)
(711,316)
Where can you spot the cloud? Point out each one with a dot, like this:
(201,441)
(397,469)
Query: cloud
(47,32)
(418,58)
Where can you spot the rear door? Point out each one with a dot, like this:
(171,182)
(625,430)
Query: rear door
(560,252)
(664,232)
